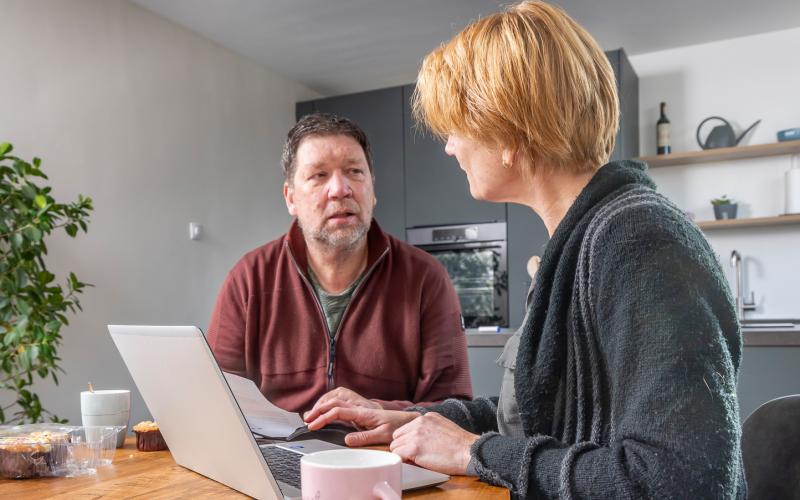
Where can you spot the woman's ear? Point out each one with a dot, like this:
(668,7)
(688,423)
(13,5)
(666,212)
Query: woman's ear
(509,157)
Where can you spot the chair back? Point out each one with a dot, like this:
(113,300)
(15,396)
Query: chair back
(771,450)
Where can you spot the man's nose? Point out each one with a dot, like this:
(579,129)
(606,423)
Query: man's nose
(339,186)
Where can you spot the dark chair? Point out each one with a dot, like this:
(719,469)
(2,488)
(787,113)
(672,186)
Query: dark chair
(771,450)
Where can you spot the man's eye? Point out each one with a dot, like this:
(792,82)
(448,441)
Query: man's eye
(318,175)
(356,171)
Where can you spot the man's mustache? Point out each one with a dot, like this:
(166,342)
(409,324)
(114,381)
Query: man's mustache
(340,208)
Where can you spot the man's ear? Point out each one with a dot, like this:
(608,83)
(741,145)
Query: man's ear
(288,195)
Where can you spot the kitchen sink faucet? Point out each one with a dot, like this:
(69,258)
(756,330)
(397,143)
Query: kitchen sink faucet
(741,304)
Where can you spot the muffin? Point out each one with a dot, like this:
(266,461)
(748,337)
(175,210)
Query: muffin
(59,446)
(33,454)
(148,437)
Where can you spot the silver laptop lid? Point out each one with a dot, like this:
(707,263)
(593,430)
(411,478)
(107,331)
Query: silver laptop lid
(179,379)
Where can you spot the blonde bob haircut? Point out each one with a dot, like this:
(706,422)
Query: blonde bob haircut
(529,79)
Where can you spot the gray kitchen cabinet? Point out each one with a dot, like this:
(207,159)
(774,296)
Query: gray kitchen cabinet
(485,373)
(437,191)
(627,144)
(380,114)
(303,108)
(767,373)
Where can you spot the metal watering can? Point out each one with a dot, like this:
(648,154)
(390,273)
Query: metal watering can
(721,136)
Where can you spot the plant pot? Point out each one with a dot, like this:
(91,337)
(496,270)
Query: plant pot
(725,211)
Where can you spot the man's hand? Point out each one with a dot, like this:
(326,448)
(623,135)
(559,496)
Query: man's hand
(434,442)
(378,425)
(339,397)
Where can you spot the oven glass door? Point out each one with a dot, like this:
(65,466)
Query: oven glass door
(478,272)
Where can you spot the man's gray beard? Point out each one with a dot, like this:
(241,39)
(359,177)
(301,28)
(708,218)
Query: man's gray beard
(344,239)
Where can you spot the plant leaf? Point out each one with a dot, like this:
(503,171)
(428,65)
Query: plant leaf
(33,306)
(32,233)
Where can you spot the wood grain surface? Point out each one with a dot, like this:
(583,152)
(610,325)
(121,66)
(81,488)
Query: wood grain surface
(155,475)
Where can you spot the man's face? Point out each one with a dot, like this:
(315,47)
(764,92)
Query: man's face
(331,194)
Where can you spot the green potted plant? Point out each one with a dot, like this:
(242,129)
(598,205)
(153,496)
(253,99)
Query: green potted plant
(724,208)
(33,306)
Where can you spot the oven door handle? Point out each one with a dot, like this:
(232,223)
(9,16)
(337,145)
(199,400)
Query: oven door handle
(466,245)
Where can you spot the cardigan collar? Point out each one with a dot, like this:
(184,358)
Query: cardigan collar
(542,352)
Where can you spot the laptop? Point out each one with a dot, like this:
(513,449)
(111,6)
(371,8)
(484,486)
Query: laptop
(202,423)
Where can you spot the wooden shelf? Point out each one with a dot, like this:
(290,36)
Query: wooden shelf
(780,220)
(723,154)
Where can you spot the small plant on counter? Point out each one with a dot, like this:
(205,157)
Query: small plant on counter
(722,200)
(724,208)
(33,306)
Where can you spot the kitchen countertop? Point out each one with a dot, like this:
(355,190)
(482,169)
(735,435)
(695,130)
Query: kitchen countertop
(488,339)
(753,337)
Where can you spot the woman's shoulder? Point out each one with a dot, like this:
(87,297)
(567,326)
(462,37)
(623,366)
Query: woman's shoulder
(640,232)
(640,214)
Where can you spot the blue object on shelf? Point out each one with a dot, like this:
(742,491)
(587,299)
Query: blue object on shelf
(790,134)
(493,329)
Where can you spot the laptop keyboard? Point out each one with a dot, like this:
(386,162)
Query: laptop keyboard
(284,464)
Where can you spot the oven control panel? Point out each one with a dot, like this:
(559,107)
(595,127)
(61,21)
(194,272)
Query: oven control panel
(455,234)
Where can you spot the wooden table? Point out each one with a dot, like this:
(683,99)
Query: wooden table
(156,475)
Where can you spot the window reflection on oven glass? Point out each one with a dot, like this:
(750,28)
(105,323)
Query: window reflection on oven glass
(474,276)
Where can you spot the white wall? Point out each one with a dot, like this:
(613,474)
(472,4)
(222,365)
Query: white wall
(160,127)
(742,80)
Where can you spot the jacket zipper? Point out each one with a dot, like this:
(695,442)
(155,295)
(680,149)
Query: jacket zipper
(331,341)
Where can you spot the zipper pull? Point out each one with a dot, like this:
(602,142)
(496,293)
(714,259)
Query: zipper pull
(331,360)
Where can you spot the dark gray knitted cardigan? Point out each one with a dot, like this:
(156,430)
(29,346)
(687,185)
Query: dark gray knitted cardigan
(627,363)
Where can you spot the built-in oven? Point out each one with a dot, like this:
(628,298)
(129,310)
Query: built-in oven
(476,260)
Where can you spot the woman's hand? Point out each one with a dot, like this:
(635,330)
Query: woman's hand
(434,442)
(339,397)
(377,425)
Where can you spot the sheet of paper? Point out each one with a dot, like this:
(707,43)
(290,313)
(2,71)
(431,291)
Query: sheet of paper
(262,416)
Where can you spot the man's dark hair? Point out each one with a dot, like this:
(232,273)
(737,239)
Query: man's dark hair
(320,124)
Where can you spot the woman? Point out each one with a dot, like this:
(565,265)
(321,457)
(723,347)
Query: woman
(626,362)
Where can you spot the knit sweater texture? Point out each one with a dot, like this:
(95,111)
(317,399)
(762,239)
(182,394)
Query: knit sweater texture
(627,363)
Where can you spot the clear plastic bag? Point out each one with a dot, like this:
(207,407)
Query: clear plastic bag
(43,450)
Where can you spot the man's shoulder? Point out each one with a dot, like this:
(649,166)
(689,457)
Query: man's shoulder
(256,258)
(413,256)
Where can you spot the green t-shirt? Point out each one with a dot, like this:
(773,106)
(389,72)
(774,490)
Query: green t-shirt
(333,305)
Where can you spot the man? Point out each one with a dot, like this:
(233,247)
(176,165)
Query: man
(336,312)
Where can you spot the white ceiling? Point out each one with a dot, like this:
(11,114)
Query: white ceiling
(342,46)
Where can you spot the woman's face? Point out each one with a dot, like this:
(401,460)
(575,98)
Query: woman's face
(488,179)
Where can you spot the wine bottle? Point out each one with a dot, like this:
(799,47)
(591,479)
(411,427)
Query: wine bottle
(663,132)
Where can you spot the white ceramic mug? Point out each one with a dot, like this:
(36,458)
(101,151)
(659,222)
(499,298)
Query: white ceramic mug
(346,474)
(103,408)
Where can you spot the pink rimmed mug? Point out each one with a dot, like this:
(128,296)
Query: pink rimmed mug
(346,474)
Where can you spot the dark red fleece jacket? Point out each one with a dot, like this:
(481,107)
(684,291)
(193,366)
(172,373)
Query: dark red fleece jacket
(399,342)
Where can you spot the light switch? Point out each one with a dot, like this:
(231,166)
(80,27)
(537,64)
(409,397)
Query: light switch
(195,230)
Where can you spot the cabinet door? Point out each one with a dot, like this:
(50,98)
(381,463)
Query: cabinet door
(301,109)
(437,191)
(627,143)
(380,114)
